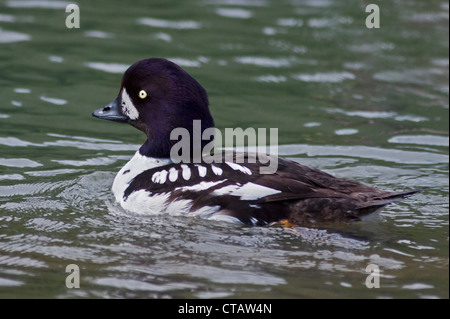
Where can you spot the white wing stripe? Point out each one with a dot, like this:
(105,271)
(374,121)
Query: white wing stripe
(199,187)
(240,168)
(248,191)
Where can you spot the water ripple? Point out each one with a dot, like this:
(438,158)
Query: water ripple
(139,285)
(47,225)
(412,76)
(53,100)
(22,90)
(14,141)
(244,3)
(55,59)
(290,22)
(31,189)
(223,275)
(378,153)
(264,61)
(270,78)
(5,282)
(96,161)
(346,131)
(18,162)
(99,34)
(16,177)
(234,13)
(21,262)
(332,77)
(187,63)
(378,114)
(328,23)
(160,23)
(421,140)
(12,36)
(107,67)
(163,36)
(7,18)
(93,146)
(46,4)
(80,142)
(52,247)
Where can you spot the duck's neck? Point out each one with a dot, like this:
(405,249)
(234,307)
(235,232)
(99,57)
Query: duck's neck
(186,149)
(149,150)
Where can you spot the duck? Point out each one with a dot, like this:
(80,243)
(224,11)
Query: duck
(157,96)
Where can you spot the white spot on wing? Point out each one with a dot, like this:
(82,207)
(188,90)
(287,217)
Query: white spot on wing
(160,177)
(186,173)
(238,167)
(201,170)
(155,177)
(216,170)
(128,107)
(173,174)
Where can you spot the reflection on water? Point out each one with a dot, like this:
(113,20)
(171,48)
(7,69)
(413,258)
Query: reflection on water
(325,77)
(421,140)
(234,13)
(370,105)
(11,36)
(108,67)
(160,23)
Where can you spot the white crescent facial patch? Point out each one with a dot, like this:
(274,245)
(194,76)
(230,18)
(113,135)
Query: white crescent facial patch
(128,108)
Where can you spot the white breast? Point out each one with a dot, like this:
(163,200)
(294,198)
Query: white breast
(142,202)
(134,167)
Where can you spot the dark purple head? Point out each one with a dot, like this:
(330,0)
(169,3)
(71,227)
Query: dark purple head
(157,96)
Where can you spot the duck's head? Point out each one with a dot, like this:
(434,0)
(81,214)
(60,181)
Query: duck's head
(157,96)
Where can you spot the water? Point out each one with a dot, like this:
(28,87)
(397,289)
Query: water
(365,104)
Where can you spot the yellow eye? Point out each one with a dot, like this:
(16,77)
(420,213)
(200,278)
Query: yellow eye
(142,94)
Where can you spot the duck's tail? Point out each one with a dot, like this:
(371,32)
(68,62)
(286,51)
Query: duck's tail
(323,209)
(387,199)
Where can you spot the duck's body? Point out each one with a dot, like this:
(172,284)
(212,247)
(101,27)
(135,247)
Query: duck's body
(157,96)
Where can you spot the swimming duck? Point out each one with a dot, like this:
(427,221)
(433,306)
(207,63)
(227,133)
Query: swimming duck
(157,96)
